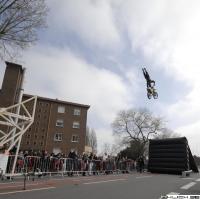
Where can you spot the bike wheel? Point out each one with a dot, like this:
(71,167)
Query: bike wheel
(155,95)
(149,95)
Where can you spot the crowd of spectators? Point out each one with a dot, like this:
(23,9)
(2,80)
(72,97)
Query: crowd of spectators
(86,162)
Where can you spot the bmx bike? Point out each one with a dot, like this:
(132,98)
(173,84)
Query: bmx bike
(151,92)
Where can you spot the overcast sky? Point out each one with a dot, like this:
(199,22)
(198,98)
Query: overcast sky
(93,50)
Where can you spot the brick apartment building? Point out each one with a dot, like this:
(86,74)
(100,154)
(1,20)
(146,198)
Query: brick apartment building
(59,126)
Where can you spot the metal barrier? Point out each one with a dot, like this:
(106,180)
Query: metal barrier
(66,166)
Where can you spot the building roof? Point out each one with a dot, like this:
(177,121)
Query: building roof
(15,65)
(59,101)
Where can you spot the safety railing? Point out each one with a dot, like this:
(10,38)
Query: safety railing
(65,166)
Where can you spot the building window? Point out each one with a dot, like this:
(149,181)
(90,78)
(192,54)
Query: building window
(58,137)
(36,136)
(76,125)
(34,143)
(74,138)
(27,143)
(77,111)
(61,109)
(60,123)
(41,143)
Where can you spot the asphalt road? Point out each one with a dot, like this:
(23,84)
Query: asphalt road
(126,186)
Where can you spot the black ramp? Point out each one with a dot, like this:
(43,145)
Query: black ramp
(193,165)
(171,156)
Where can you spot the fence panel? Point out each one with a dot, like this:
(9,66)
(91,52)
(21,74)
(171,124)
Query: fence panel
(49,165)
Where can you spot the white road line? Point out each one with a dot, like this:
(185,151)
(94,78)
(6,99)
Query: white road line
(173,193)
(189,185)
(95,178)
(10,183)
(27,184)
(143,177)
(198,180)
(27,190)
(74,178)
(97,182)
(22,184)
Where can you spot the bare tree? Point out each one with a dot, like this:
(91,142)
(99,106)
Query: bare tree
(19,20)
(137,125)
(111,149)
(91,139)
(106,148)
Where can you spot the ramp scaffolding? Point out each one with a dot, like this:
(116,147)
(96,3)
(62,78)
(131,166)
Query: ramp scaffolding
(14,122)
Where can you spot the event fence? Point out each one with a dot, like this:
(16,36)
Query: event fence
(66,166)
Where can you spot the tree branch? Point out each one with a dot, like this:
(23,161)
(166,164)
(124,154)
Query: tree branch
(7,7)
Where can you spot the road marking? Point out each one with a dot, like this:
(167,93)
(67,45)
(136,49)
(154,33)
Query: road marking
(10,183)
(11,192)
(27,184)
(17,186)
(104,181)
(144,177)
(189,185)
(198,180)
(187,178)
(97,178)
(173,193)
(73,178)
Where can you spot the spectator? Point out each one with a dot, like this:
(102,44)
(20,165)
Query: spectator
(85,163)
(140,164)
(90,163)
(105,156)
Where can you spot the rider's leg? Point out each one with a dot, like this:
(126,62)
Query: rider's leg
(148,84)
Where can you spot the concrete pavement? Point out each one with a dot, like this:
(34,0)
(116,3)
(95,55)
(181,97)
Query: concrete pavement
(126,186)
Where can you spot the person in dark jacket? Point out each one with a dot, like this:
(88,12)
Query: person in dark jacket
(140,163)
(72,162)
(148,79)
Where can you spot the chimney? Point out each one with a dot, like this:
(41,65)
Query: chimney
(12,84)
